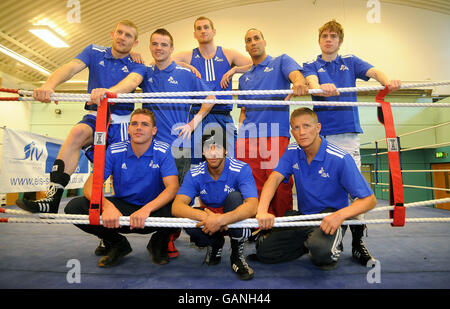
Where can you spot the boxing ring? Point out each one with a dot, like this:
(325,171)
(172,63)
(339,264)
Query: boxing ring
(394,225)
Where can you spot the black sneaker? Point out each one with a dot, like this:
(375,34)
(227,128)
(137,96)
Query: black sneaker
(253,257)
(256,233)
(330,266)
(157,248)
(48,204)
(115,253)
(101,249)
(360,253)
(213,255)
(237,259)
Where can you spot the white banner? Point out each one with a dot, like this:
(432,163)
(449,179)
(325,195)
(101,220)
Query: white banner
(27,161)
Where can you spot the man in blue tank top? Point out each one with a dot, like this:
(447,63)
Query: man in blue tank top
(212,62)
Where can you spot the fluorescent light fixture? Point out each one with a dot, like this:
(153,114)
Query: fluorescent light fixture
(24,60)
(76,82)
(46,34)
(67,82)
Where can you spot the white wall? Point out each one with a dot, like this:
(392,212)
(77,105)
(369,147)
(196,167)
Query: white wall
(409,44)
(14,115)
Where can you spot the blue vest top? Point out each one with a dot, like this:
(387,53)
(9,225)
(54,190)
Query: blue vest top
(212,71)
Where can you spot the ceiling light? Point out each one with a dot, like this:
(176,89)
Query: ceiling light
(76,82)
(67,82)
(24,60)
(46,34)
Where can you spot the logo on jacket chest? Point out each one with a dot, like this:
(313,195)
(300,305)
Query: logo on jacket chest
(323,174)
(228,189)
(153,165)
(172,81)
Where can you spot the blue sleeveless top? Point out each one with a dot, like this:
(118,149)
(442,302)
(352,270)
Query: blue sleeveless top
(212,71)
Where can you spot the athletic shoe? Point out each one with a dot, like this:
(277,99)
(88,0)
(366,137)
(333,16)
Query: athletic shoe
(237,259)
(359,250)
(213,255)
(157,248)
(330,266)
(360,253)
(48,204)
(101,249)
(116,253)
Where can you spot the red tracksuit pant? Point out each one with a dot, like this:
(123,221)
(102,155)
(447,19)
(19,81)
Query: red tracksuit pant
(263,154)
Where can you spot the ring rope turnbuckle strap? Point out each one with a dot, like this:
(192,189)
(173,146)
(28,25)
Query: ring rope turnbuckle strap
(100,138)
(396,197)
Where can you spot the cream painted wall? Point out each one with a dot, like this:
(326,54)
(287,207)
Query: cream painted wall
(409,44)
(400,45)
(46,122)
(442,116)
(14,115)
(404,45)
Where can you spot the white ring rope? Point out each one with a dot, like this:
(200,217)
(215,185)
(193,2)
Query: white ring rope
(183,222)
(409,171)
(247,102)
(235,92)
(275,102)
(412,148)
(412,186)
(125,97)
(234,225)
(409,133)
(266,92)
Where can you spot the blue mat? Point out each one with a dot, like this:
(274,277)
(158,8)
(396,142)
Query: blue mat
(35,256)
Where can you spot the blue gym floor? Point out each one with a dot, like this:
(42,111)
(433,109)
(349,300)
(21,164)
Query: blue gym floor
(35,256)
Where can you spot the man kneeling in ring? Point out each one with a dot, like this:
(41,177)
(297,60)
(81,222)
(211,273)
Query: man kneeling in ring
(227,193)
(324,176)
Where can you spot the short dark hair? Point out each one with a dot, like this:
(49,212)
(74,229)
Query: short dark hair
(216,136)
(164,32)
(144,111)
(204,18)
(254,29)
